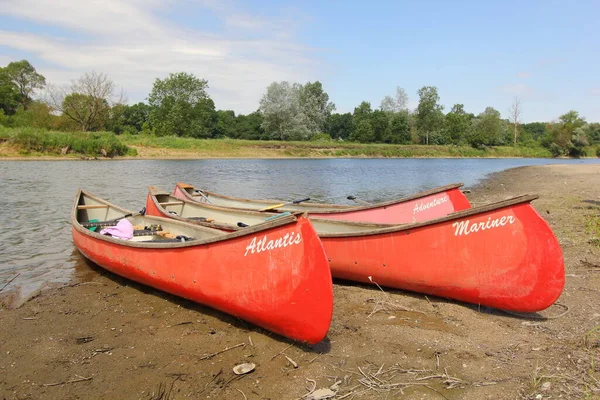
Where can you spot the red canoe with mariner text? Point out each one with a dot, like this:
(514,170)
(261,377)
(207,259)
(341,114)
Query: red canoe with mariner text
(285,287)
(502,255)
(418,207)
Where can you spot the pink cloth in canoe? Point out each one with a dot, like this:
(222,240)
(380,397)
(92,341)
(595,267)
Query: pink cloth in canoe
(123,230)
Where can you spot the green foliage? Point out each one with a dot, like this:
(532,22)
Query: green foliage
(555,150)
(225,124)
(364,132)
(339,126)
(399,130)
(128,119)
(380,121)
(430,117)
(295,111)
(594,133)
(249,126)
(181,106)
(315,105)
(321,137)
(487,129)
(26,80)
(534,130)
(457,124)
(89,112)
(9,94)
(51,142)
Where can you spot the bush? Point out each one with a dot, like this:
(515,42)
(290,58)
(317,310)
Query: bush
(555,150)
(87,143)
(321,137)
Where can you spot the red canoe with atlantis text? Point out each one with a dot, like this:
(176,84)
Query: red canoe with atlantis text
(418,207)
(274,274)
(502,255)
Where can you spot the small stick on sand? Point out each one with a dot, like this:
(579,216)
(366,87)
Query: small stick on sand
(281,352)
(79,379)
(206,357)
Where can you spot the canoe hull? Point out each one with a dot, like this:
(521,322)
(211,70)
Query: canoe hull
(421,206)
(506,258)
(414,210)
(276,278)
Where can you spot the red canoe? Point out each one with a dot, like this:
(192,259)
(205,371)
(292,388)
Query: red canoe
(274,275)
(418,207)
(501,255)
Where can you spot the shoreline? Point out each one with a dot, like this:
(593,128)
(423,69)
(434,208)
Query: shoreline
(129,341)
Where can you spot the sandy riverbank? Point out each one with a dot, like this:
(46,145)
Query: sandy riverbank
(105,337)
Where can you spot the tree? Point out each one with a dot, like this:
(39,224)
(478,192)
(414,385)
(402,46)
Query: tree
(86,101)
(515,115)
(225,124)
(397,103)
(315,105)
(567,136)
(26,79)
(399,130)
(429,112)
(363,132)
(128,119)
(295,111)
(487,129)
(283,117)
(361,119)
(457,123)
(380,122)
(9,95)
(339,126)
(536,130)
(181,106)
(250,126)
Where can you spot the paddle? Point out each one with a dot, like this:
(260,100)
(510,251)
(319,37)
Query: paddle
(275,206)
(358,200)
(203,195)
(112,222)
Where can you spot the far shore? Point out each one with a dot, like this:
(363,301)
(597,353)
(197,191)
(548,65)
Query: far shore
(153,153)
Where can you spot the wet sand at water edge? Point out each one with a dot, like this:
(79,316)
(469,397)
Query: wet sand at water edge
(103,337)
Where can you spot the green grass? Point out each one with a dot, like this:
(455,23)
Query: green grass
(245,148)
(34,141)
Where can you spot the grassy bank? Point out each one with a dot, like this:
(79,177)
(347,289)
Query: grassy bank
(30,142)
(253,148)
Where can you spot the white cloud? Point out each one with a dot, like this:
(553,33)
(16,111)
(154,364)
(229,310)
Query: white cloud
(128,41)
(523,75)
(595,91)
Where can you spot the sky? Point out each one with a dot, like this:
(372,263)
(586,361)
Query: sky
(477,53)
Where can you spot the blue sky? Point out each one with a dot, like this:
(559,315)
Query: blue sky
(478,53)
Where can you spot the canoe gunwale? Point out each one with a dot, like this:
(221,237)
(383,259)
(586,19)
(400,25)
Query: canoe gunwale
(219,235)
(327,208)
(450,217)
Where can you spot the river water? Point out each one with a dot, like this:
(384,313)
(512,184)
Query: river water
(35,240)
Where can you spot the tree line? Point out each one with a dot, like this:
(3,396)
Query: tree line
(180,105)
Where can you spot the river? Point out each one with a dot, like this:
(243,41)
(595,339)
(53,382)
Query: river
(36,248)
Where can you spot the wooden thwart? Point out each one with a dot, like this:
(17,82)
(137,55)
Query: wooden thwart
(172,203)
(91,206)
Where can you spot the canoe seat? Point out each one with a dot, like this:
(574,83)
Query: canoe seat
(91,206)
(172,203)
